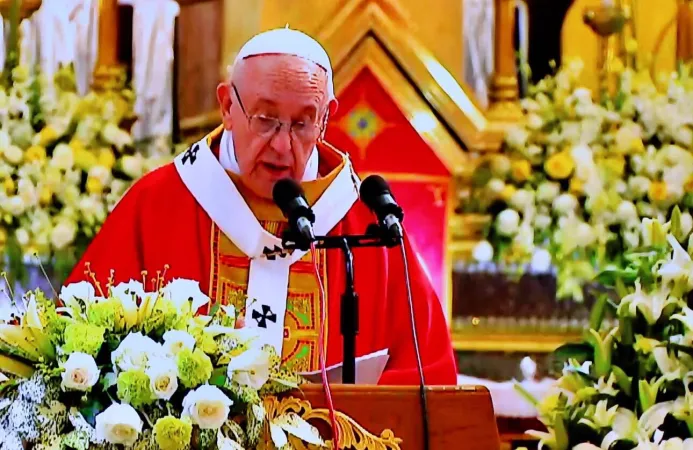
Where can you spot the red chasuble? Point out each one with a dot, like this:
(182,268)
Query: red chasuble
(159,223)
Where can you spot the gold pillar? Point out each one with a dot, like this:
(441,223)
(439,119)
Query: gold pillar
(504,92)
(109,74)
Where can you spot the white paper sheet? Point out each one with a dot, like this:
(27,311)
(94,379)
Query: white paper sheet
(369,368)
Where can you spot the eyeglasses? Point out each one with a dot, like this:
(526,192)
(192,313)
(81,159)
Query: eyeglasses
(268,126)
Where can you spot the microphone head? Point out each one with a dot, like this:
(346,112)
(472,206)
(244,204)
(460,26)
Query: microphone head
(284,192)
(373,187)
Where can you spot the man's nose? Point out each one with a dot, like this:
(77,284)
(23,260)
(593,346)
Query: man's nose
(281,141)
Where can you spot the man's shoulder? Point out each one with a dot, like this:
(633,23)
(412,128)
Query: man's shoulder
(162,184)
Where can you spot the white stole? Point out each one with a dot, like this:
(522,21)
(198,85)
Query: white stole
(268,278)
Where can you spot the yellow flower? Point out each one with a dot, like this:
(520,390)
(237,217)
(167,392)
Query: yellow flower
(631,46)
(9,185)
(76,144)
(507,193)
(47,136)
(94,185)
(3,237)
(616,165)
(616,66)
(84,159)
(576,186)
(45,195)
(658,191)
(559,166)
(107,158)
(35,153)
(521,170)
(637,146)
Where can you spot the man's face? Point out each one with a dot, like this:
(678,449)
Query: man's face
(276,106)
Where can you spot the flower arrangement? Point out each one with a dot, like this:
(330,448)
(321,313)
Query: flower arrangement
(140,369)
(576,176)
(629,386)
(65,161)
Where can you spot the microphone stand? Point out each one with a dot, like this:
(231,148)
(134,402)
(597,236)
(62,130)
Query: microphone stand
(349,326)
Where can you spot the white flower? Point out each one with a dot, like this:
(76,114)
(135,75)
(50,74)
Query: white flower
(650,304)
(80,372)
(541,261)
(224,443)
(500,165)
(77,291)
(14,205)
(132,166)
(181,290)
(118,424)
(565,203)
(177,340)
(626,212)
(534,121)
(517,137)
(100,173)
(163,377)
(135,352)
(207,407)
(250,368)
(495,186)
(13,154)
(547,191)
(128,293)
(63,157)
(112,134)
(507,222)
(27,191)
(522,199)
(63,234)
(542,221)
(585,234)
(679,267)
(686,223)
(638,186)
(22,236)
(483,252)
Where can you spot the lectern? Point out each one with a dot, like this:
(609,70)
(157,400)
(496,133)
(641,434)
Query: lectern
(389,417)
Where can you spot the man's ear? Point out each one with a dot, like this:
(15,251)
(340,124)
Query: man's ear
(332,107)
(225,101)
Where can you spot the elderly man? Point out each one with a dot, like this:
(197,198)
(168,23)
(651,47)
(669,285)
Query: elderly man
(209,216)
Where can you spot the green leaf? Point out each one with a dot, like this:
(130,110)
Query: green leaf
(623,381)
(597,312)
(109,380)
(580,352)
(218,377)
(91,410)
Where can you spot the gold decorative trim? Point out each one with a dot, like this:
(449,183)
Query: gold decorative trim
(511,342)
(352,434)
(360,20)
(26,7)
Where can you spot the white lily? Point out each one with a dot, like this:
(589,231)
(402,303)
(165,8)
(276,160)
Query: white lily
(679,268)
(601,416)
(653,232)
(251,368)
(128,293)
(651,419)
(624,426)
(650,304)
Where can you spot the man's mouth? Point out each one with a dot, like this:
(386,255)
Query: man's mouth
(276,169)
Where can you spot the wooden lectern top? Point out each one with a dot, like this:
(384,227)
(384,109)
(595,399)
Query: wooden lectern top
(460,417)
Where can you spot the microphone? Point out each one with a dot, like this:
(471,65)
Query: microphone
(376,194)
(289,197)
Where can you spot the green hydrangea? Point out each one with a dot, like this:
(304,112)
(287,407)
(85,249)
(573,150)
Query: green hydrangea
(172,433)
(134,388)
(194,367)
(108,314)
(83,337)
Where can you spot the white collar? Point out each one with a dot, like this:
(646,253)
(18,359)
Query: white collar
(227,158)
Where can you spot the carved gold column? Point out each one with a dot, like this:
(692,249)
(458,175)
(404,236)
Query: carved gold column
(109,74)
(504,92)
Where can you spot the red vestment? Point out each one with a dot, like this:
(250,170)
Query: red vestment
(158,223)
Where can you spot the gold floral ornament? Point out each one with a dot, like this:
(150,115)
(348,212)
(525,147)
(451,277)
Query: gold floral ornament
(288,423)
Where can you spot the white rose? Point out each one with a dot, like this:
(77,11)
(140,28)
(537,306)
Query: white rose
(585,235)
(63,234)
(251,368)
(163,377)
(565,203)
(15,205)
(177,340)
(638,186)
(206,407)
(542,221)
(118,424)
(541,261)
(522,199)
(483,252)
(495,187)
(686,223)
(132,166)
(27,191)
(626,212)
(22,236)
(181,290)
(100,173)
(547,191)
(13,154)
(508,222)
(500,165)
(135,351)
(63,157)
(80,372)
